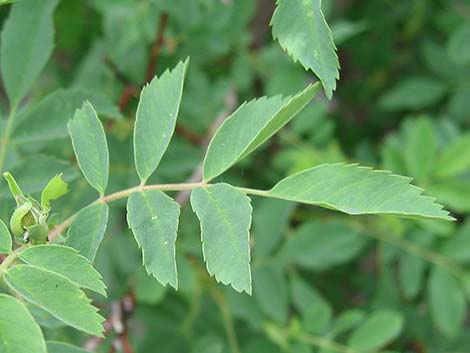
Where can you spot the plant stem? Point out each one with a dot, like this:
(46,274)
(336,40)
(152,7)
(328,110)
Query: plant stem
(6,136)
(227,319)
(163,187)
(9,260)
(324,343)
(140,188)
(426,254)
(256,192)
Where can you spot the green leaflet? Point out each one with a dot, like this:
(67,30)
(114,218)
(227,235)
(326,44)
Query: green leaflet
(270,222)
(315,311)
(87,230)
(358,190)
(27,42)
(455,159)
(57,295)
(66,262)
(250,126)
(447,302)
(156,119)
(5,239)
(153,218)
(19,332)
(62,347)
(225,216)
(147,290)
(412,269)
(418,160)
(376,331)
(319,245)
(271,292)
(47,119)
(90,146)
(53,190)
(413,93)
(458,46)
(302,31)
(34,172)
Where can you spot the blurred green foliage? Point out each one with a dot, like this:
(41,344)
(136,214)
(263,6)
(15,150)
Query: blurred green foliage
(322,282)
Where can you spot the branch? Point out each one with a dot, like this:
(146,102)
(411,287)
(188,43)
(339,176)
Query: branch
(156,47)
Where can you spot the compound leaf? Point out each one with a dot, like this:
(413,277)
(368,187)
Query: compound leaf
(153,218)
(302,31)
(225,216)
(5,239)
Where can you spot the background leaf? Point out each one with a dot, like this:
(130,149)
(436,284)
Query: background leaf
(302,31)
(62,347)
(13,332)
(225,216)
(57,295)
(27,43)
(419,161)
(34,172)
(447,302)
(5,239)
(455,159)
(376,331)
(320,245)
(47,119)
(156,119)
(90,146)
(87,229)
(358,190)
(153,218)
(458,47)
(413,93)
(271,291)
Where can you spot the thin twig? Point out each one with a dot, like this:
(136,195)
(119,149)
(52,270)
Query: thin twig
(226,319)
(156,47)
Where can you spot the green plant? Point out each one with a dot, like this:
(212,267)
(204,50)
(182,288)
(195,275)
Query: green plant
(50,264)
